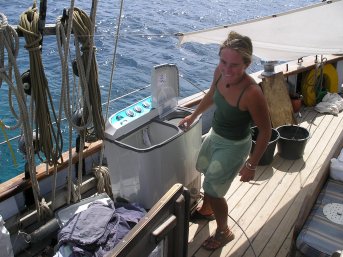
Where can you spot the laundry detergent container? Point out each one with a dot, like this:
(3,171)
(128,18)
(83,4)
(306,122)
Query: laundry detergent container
(268,155)
(292,141)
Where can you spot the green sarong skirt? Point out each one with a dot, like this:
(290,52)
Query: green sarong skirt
(220,160)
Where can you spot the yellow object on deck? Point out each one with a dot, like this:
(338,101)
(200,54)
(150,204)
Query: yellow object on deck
(309,83)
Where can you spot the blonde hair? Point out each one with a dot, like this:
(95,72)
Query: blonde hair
(242,44)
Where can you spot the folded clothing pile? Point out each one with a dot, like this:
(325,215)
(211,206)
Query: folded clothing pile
(98,229)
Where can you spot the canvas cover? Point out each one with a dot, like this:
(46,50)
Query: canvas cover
(312,30)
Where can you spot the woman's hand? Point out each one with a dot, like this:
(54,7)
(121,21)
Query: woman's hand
(186,122)
(246,174)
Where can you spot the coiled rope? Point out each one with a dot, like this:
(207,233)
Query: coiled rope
(83,29)
(10,42)
(63,41)
(104,183)
(50,139)
(3,27)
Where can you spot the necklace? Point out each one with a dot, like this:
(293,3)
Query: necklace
(240,80)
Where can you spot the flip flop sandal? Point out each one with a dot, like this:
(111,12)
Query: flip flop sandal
(198,216)
(218,240)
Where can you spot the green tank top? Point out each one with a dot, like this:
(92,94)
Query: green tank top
(229,121)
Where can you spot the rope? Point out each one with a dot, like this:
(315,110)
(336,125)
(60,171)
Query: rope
(319,78)
(112,100)
(83,30)
(112,72)
(49,141)
(46,212)
(114,57)
(75,195)
(50,144)
(10,43)
(103,176)
(63,50)
(8,143)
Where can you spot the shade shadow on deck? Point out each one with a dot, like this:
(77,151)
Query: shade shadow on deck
(267,208)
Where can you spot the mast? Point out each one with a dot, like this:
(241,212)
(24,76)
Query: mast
(42,17)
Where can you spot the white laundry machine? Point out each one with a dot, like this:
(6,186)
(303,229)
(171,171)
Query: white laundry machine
(146,151)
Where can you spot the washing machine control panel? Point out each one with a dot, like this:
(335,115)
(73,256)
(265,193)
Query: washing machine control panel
(131,113)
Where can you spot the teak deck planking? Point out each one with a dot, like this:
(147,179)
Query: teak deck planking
(267,208)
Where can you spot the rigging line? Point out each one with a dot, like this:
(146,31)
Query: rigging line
(193,84)
(113,100)
(127,34)
(63,47)
(114,57)
(91,68)
(120,97)
(63,39)
(127,94)
(65,118)
(83,24)
(112,72)
(26,126)
(9,41)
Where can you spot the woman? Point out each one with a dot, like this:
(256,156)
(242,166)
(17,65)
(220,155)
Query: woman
(239,101)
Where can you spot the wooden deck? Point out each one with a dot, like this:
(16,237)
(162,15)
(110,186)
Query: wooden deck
(267,208)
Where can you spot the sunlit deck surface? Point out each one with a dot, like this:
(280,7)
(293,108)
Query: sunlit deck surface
(267,208)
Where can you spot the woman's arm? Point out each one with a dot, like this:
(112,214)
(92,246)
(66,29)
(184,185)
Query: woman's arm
(258,109)
(259,112)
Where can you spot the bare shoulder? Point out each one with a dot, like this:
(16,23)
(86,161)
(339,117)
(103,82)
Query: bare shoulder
(254,90)
(254,97)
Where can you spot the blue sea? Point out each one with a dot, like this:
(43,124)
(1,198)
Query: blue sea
(146,38)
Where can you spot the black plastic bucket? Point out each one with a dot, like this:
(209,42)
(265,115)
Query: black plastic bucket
(292,141)
(268,155)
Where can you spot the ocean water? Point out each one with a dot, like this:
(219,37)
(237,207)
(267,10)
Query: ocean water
(146,39)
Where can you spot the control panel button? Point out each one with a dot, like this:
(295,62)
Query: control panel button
(119,117)
(123,122)
(137,109)
(130,113)
(146,104)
